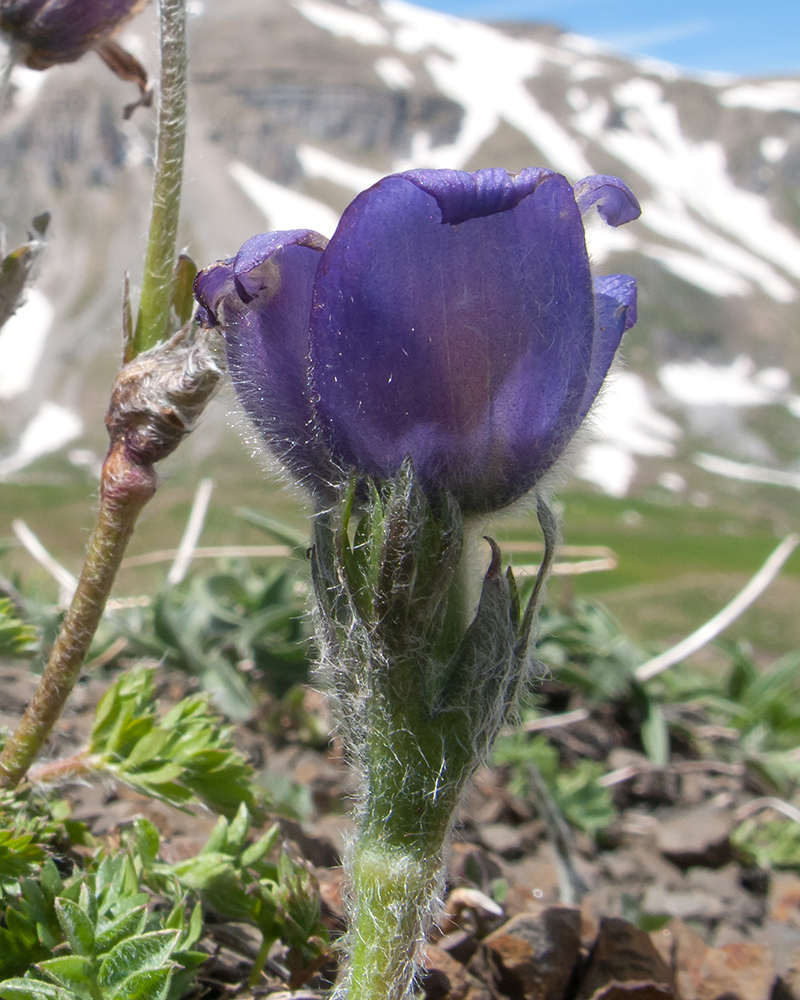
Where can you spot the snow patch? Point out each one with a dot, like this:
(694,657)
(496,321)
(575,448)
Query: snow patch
(698,271)
(608,466)
(22,341)
(394,73)
(774,148)
(624,423)
(672,481)
(284,208)
(343,23)
(317,163)
(720,466)
(484,71)
(771,95)
(51,428)
(695,201)
(587,69)
(738,384)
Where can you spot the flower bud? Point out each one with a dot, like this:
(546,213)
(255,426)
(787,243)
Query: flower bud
(49,32)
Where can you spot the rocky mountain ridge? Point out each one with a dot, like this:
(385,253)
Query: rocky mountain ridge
(298,104)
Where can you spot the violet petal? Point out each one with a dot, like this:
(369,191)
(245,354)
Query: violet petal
(465,346)
(261,300)
(615,202)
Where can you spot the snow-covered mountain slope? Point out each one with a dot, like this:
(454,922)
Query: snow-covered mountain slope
(298,104)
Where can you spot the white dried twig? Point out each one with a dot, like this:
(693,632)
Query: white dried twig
(65,580)
(191,534)
(725,617)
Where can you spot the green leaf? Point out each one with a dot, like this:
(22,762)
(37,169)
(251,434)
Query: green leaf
(655,735)
(16,638)
(152,984)
(73,972)
(31,989)
(128,925)
(238,830)
(76,926)
(19,856)
(137,954)
(256,851)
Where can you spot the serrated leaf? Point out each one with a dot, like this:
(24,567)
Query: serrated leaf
(76,926)
(148,841)
(256,851)
(137,954)
(31,989)
(238,829)
(218,837)
(150,985)
(199,872)
(19,856)
(128,925)
(51,879)
(147,749)
(73,972)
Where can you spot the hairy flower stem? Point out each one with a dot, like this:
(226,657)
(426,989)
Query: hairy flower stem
(397,864)
(125,489)
(156,297)
(159,393)
(421,690)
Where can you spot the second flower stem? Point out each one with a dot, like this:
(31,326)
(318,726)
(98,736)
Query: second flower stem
(155,301)
(125,489)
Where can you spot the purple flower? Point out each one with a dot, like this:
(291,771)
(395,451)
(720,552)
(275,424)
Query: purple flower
(452,318)
(49,32)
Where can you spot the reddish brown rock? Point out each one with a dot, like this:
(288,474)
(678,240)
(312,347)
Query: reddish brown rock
(535,953)
(624,957)
(741,970)
(444,978)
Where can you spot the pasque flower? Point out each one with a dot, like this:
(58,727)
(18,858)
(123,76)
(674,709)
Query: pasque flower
(452,318)
(49,32)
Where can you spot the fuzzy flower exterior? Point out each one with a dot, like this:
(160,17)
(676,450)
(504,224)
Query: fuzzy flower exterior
(60,31)
(452,318)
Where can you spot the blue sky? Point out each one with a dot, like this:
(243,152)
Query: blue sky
(751,37)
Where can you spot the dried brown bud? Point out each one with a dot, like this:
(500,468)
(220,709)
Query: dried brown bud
(158,397)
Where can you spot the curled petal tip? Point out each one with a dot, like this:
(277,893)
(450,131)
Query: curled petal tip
(615,201)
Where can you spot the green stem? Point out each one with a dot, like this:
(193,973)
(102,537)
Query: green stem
(417,771)
(125,490)
(394,891)
(152,324)
(267,941)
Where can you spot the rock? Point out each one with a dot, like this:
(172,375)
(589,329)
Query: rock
(725,884)
(698,836)
(688,952)
(790,979)
(472,910)
(537,874)
(333,829)
(535,953)
(444,978)
(470,863)
(461,944)
(783,901)
(684,905)
(742,970)
(507,841)
(625,957)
